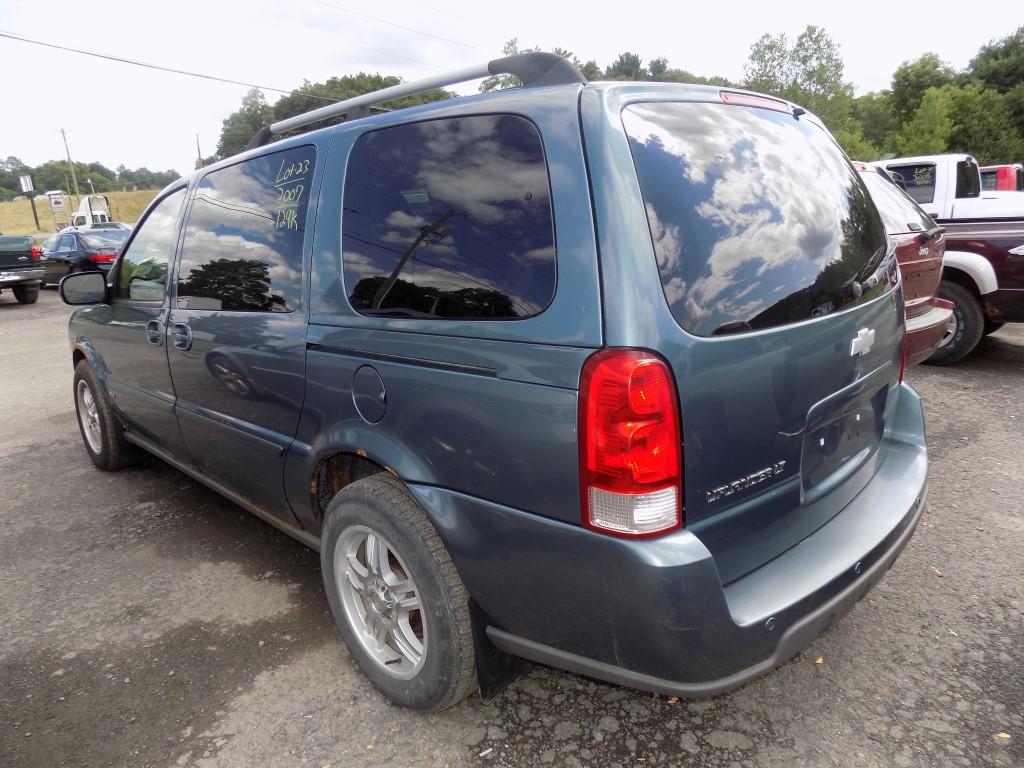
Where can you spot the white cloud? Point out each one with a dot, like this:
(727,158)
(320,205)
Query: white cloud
(115,113)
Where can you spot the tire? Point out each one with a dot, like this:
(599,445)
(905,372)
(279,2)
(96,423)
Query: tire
(361,600)
(970,323)
(26,294)
(991,326)
(102,435)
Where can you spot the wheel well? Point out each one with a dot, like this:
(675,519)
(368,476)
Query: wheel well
(76,357)
(337,471)
(961,278)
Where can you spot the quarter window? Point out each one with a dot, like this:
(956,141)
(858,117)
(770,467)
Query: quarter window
(242,249)
(142,275)
(449,219)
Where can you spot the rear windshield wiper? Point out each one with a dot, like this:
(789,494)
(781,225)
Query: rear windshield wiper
(930,235)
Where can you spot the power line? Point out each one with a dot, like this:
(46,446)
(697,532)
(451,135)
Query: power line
(399,26)
(136,63)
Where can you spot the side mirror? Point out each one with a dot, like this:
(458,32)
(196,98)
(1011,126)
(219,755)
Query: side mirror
(84,288)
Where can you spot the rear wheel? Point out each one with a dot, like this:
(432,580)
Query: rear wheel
(101,432)
(26,294)
(965,329)
(396,596)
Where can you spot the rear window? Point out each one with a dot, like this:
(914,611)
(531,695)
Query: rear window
(757,218)
(988,180)
(107,239)
(899,212)
(920,180)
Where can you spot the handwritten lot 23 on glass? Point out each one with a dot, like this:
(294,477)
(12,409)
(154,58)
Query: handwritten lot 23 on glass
(290,184)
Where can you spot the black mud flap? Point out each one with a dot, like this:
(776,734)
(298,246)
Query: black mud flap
(495,669)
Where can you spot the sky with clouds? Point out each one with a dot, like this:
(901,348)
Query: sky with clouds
(116,113)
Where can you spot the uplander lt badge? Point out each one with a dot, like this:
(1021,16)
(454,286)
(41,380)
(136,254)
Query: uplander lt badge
(746,482)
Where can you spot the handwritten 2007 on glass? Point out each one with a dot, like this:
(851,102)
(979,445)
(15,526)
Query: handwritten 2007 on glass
(290,186)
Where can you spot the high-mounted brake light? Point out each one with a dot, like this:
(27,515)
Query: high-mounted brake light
(630,445)
(737,99)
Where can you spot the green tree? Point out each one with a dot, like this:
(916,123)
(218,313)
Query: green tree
(628,66)
(912,79)
(808,72)
(983,125)
(500,82)
(239,127)
(873,114)
(929,130)
(1001,62)
(658,68)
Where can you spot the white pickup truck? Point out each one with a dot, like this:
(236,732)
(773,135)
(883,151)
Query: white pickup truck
(948,187)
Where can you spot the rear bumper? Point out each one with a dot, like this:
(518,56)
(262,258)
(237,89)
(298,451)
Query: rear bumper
(1005,305)
(653,614)
(925,330)
(18,276)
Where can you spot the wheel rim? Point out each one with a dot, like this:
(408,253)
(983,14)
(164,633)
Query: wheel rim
(89,417)
(381,601)
(951,327)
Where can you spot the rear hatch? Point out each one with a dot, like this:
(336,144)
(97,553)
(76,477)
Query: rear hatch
(788,331)
(920,244)
(16,253)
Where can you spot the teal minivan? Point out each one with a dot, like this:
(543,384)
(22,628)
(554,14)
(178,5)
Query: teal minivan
(607,376)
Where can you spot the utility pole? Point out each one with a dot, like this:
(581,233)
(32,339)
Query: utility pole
(92,189)
(199,154)
(71,165)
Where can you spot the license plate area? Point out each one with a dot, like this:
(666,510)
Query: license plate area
(840,440)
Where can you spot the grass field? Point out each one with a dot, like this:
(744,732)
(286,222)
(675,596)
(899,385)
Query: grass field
(16,216)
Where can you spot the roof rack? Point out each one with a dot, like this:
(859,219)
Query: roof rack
(532,69)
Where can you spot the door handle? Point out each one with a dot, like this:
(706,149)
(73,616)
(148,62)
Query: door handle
(154,333)
(182,336)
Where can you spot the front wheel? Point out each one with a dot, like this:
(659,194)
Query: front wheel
(396,596)
(965,328)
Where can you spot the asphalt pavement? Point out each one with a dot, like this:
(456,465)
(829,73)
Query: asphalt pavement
(146,621)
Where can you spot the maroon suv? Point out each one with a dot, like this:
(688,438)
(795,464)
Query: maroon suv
(920,245)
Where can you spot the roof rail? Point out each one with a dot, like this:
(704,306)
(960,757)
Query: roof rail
(531,68)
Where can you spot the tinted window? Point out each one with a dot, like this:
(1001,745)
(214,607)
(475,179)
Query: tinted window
(899,212)
(988,180)
(757,218)
(920,180)
(449,218)
(143,272)
(242,248)
(109,239)
(67,243)
(968,183)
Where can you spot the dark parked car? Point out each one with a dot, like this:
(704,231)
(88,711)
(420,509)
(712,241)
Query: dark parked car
(920,244)
(631,407)
(20,267)
(72,251)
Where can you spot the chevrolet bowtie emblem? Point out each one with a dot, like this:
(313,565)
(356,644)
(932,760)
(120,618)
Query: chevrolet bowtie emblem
(862,344)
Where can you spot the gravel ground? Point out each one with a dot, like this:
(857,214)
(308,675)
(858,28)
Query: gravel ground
(145,621)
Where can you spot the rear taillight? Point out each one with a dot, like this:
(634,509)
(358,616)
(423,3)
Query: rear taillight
(102,258)
(36,254)
(630,445)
